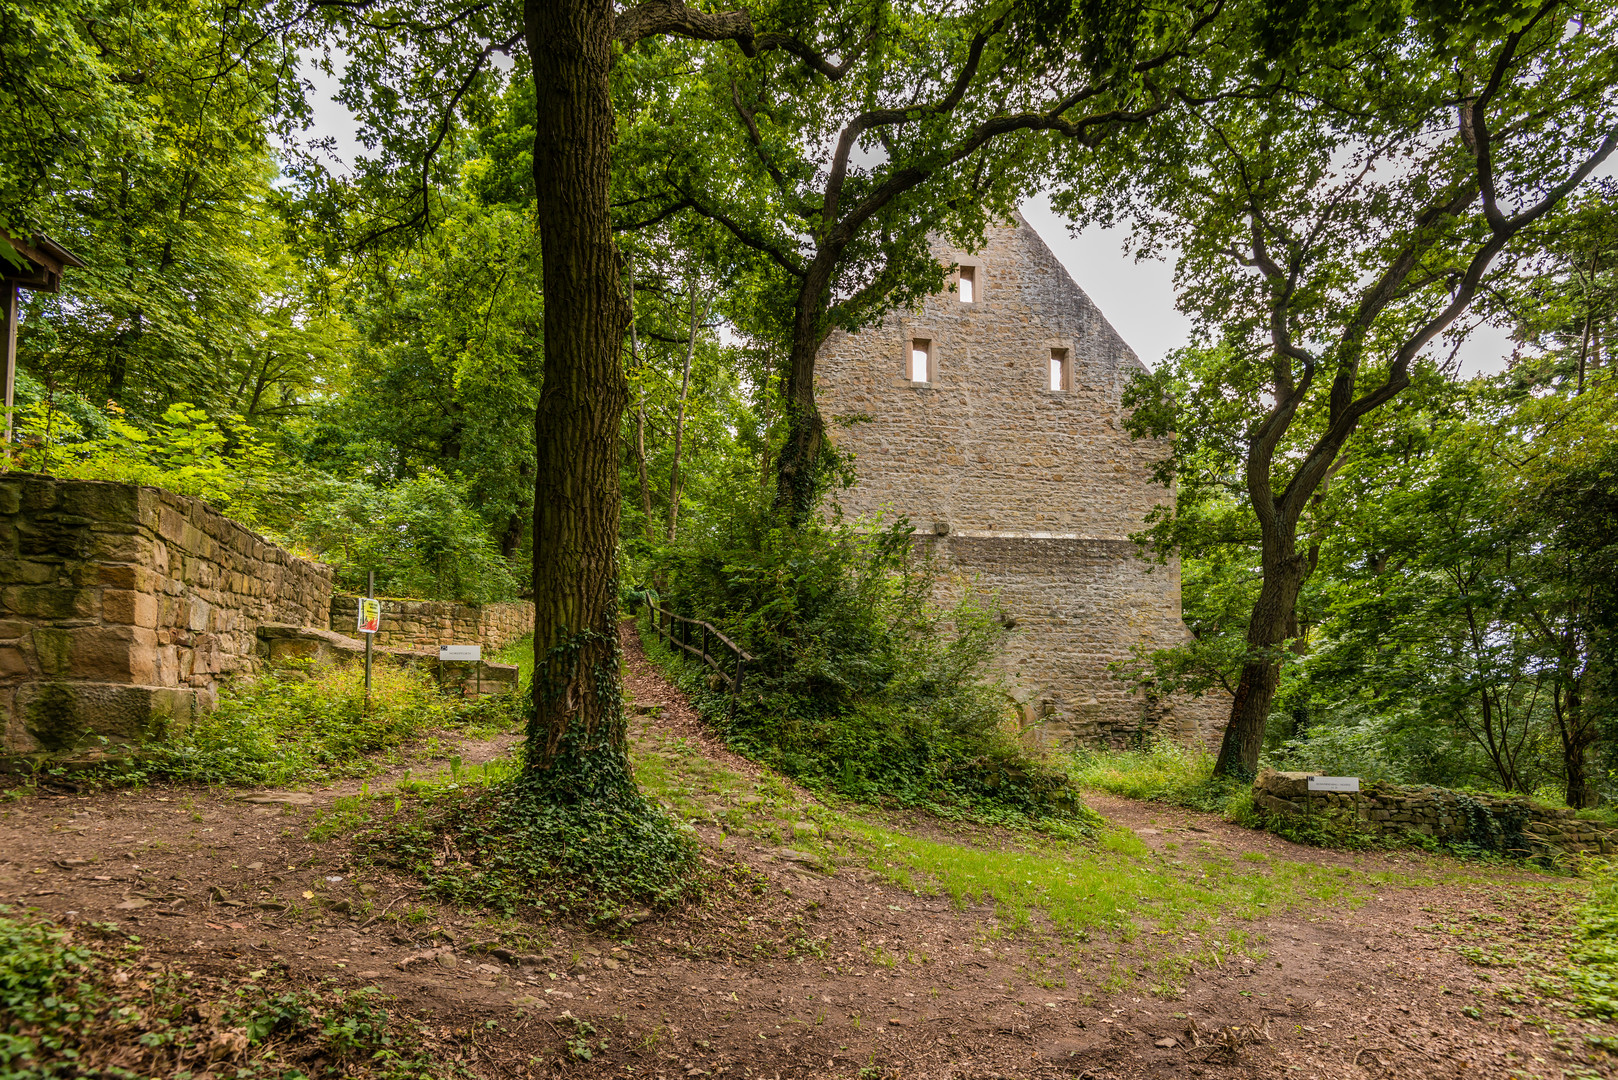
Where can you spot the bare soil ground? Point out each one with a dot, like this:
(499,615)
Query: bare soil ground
(818,969)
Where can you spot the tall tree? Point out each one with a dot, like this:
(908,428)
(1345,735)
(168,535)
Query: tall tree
(1334,227)
(836,178)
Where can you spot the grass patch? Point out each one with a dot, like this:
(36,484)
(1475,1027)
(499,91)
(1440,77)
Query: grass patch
(1162,772)
(81,1002)
(298,727)
(520,653)
(1110,882)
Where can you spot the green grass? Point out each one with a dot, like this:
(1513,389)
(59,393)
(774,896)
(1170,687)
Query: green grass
(1593,978)
(519,652)
(298,727)
(1163,772)
(1112,883)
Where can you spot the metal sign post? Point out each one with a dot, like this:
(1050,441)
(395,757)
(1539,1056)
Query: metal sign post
(370,620)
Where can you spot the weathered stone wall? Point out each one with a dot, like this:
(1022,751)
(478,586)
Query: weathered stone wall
(1526,828)
(121,607)
(1031,491)
(427,624)
(1076,606)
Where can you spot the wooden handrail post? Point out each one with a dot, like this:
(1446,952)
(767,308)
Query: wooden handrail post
(736,686)
(704,643)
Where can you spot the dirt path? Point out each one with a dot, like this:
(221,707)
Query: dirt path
(822,974)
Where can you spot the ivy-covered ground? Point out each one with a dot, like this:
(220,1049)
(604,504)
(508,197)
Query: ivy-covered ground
(172,930)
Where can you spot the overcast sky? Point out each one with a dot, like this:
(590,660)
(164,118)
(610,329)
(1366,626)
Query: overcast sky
(1136,297)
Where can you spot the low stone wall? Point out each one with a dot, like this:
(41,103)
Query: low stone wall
(279,644)
(427,624)
(122,607)
(1512,825)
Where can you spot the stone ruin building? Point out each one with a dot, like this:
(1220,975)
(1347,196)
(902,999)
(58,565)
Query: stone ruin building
(992,418)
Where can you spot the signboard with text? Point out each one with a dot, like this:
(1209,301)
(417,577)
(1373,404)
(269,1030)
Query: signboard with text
(370,614)
(1334,783)
(460,652)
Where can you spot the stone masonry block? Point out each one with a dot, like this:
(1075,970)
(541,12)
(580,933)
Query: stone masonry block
(129,608)
(138,578)
(101,501)
(28,572)
(122,654)
(49,602)
(59,716)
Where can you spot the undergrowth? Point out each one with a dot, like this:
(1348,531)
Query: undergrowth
(301,726)
(505,845)
(1593,977)
(81,1001)
(1178,775)
(860,683)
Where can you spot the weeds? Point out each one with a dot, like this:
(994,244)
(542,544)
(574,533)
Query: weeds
(80,1002)
(298,727)
(1593,977)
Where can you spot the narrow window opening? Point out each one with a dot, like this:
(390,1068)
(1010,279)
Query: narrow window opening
(969,284)
(921,360)
(1059,372)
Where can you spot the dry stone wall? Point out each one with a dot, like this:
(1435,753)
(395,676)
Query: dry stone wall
(1521,827)
(1029,491)
(122,607)
(427,624)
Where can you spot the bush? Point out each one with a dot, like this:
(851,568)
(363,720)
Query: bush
(421,536)
(861,683)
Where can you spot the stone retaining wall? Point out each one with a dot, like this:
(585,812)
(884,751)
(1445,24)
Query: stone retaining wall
(1517,825)
(122,607)
(427,624)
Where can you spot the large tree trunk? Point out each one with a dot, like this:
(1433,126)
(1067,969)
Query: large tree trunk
(576,731)
(1273,622)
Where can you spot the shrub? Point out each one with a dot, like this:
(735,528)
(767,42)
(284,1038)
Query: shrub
(861,682)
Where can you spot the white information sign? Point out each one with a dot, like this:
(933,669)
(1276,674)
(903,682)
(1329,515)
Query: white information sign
(469,652)
(1334,783)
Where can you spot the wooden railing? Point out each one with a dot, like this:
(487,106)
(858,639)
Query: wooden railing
(681,630)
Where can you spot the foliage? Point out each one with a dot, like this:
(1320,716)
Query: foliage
(286,729)
(859,683)
(1162,771)
(1593,978)
(1332,229)
(421,536)
(515,844)
(70,1007)
(145,137)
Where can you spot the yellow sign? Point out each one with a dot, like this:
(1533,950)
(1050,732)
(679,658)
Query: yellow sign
(370,615)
